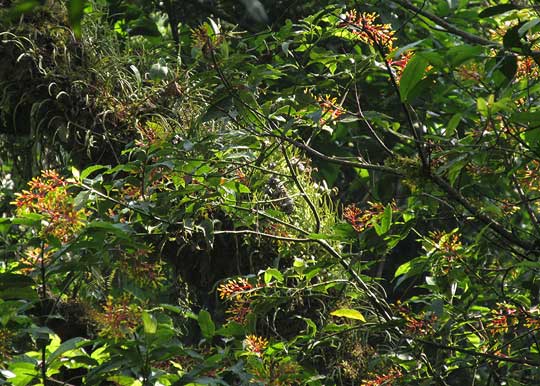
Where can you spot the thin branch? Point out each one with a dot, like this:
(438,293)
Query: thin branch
(521,361)
(340,160)
(299,185)
(527,204)
(494,225)
(468,37)
(446,25)
(360,113)
(262,234)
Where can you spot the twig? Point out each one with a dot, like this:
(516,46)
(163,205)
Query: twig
(299,185)
(360,113)
(521,361)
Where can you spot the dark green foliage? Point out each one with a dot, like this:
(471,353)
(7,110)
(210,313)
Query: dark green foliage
(269,193)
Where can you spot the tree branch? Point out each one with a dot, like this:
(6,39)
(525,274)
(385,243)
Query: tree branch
(521,361)
(468,37)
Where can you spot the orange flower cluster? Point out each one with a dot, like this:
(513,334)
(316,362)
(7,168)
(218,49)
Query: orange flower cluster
(469,71)
(448,243)
(362,219)
(206,40)
(6,339)
(255,344)
(506,316)
(364,26)
(47,195)
(119,317)
(33,258)
(528,69)
(277,373)
(143,272)
(238,292)
(420,325)
(241,176)
(387,379)
(529,175)
(330,109)
(399,64)
(416,324)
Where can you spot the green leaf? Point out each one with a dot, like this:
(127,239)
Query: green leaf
(232,329)
(89,170)
(385,221)
(29,219)
(403,269)
(68,345)
(532,137)
(460,54)
(272,273)
(452,125)
(75,15)
(349,314)
(124,380)
(76,173)
(528,26)
(158,71)
(24,373)
(496,10)
(511,38)
(13,280)
(482,106)
(526,117)
(413,73)
(207,326)
(120,230)
(149,323)
(509,66)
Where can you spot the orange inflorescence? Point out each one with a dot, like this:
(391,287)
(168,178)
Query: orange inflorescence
(368,31)
(277,373)
(529,175)
(203,39)
(33,257)
(241,176)
(255,344)
(238,292)
(399,64)
(448,243)
(527,68)
(470,71)
(330,109)
(387,379)
(119,317)
(506,317)
(234,289)
(145,273)
(6,337)
(502,318)
(48,196)
(361,219)
(419,324)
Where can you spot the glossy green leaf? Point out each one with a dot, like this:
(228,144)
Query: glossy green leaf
(413,73)
(526,27)
(349,314)
(272,273)
(149,323)
(66,346)
(496,10)
(91,169)
(206,324)
(75,15)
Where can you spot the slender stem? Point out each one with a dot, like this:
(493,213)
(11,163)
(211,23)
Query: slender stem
(43,295)
(307,199)
(521,361)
